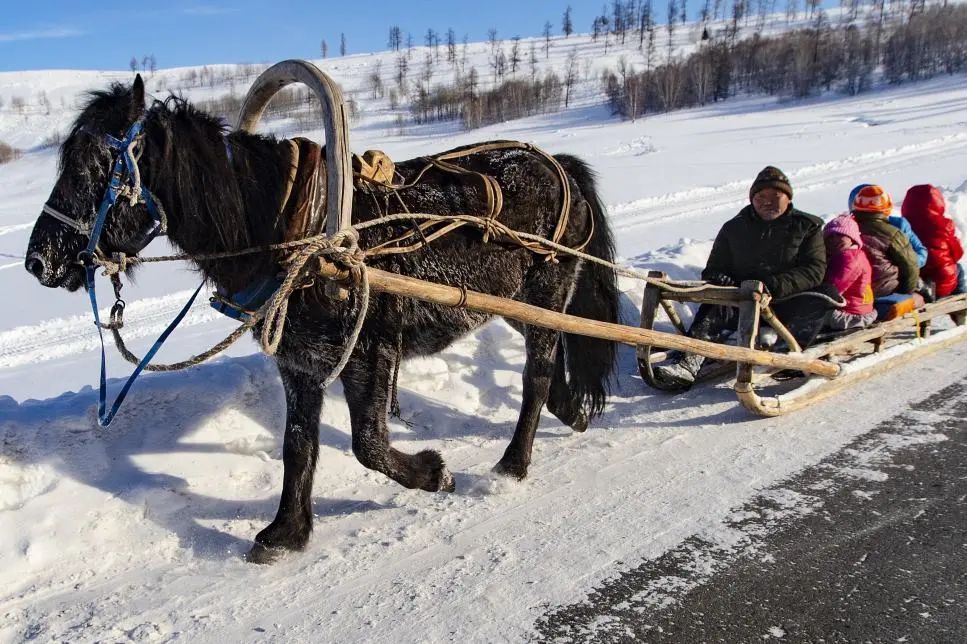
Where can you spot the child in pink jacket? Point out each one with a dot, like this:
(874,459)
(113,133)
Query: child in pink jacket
(848,270)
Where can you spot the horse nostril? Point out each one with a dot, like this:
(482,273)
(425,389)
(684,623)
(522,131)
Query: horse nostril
(35,265)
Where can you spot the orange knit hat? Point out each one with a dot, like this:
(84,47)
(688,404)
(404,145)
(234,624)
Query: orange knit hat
(873,199)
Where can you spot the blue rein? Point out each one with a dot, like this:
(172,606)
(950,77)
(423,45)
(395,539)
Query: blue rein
(123,183)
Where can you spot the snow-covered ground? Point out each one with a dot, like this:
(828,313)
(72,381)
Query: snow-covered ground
(135,531)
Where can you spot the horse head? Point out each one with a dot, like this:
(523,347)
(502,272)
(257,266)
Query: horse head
(90,157)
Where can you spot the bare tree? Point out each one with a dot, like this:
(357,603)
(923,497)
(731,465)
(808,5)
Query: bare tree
(152,64)
(670,26)
(426,74)
(650,48)
(324,49)
(645,22)
(547,39)
(570,76)
(492,39)
(395,38)
(133,63)
(706,8)
(451,46)
(532,61)
(567,24)
(375,80)
(342,44)
(515,58)
(498,64)
(402,69)
(618,19)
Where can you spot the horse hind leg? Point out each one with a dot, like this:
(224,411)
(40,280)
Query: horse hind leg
(366,382)
(561,401)
(538,375)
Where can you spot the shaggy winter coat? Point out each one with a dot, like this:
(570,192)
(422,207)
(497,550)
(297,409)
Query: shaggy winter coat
(786,254)
(894,263)
(924,208)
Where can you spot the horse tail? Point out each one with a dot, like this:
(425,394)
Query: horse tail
(590,362)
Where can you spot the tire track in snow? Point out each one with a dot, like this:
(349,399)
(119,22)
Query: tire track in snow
(734,194)
(13,228)
(60,337)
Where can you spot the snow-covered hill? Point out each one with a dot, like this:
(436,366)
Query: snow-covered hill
(135,531)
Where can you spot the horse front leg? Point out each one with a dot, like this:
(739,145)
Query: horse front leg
(366,382)
(292,525)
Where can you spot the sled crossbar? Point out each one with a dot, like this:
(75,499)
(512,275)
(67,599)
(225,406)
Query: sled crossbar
(528,314)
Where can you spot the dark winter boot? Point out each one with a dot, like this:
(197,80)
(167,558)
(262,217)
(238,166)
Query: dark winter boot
(680,374)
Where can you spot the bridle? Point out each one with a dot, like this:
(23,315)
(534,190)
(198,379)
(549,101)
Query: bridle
(125,182)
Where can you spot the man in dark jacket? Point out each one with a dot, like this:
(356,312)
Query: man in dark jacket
(770,241)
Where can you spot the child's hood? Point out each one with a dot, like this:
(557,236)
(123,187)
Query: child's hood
(922,203)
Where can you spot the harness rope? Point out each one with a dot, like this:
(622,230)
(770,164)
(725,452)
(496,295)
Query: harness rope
(343,250)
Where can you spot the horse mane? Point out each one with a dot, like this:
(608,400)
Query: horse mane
(215,203)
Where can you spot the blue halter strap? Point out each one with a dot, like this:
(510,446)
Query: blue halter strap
(123,184)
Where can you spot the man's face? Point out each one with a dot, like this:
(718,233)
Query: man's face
(770,203)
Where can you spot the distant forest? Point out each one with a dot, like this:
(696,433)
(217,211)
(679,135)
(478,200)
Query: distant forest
(848,58)
(895,42)
(890,40)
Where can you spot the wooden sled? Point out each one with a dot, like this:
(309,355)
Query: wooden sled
(859,354)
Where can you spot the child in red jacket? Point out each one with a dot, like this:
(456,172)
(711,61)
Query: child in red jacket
(849,271)
(924,207)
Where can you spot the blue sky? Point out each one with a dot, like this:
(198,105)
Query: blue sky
(45,34)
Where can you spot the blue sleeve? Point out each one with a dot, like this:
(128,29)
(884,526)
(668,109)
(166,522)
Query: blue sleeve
(918,247)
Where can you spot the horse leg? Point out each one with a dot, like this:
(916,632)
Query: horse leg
(366,382)
(293,522)
(539,372)
(561,401)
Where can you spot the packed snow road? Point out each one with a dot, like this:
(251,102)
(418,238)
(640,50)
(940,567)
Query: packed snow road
(865,546)
(169,508)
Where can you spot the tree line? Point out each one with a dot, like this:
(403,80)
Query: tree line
(799,63)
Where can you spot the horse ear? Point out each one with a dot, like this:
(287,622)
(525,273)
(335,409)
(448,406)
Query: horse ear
(137,97)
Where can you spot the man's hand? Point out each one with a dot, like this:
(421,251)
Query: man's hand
(720,279)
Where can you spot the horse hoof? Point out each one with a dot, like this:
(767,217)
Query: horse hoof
(514,470)
(434,473)
(580,423)
(263,555)
(447,483)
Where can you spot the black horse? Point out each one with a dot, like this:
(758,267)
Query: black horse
(221,192)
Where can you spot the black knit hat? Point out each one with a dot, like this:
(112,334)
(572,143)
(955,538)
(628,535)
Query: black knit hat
(771,177)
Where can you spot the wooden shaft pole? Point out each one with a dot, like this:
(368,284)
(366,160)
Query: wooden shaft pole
(451,296)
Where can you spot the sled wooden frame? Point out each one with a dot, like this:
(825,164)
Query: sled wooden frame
(747,298)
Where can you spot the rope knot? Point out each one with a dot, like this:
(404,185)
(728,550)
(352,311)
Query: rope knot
(119,263)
